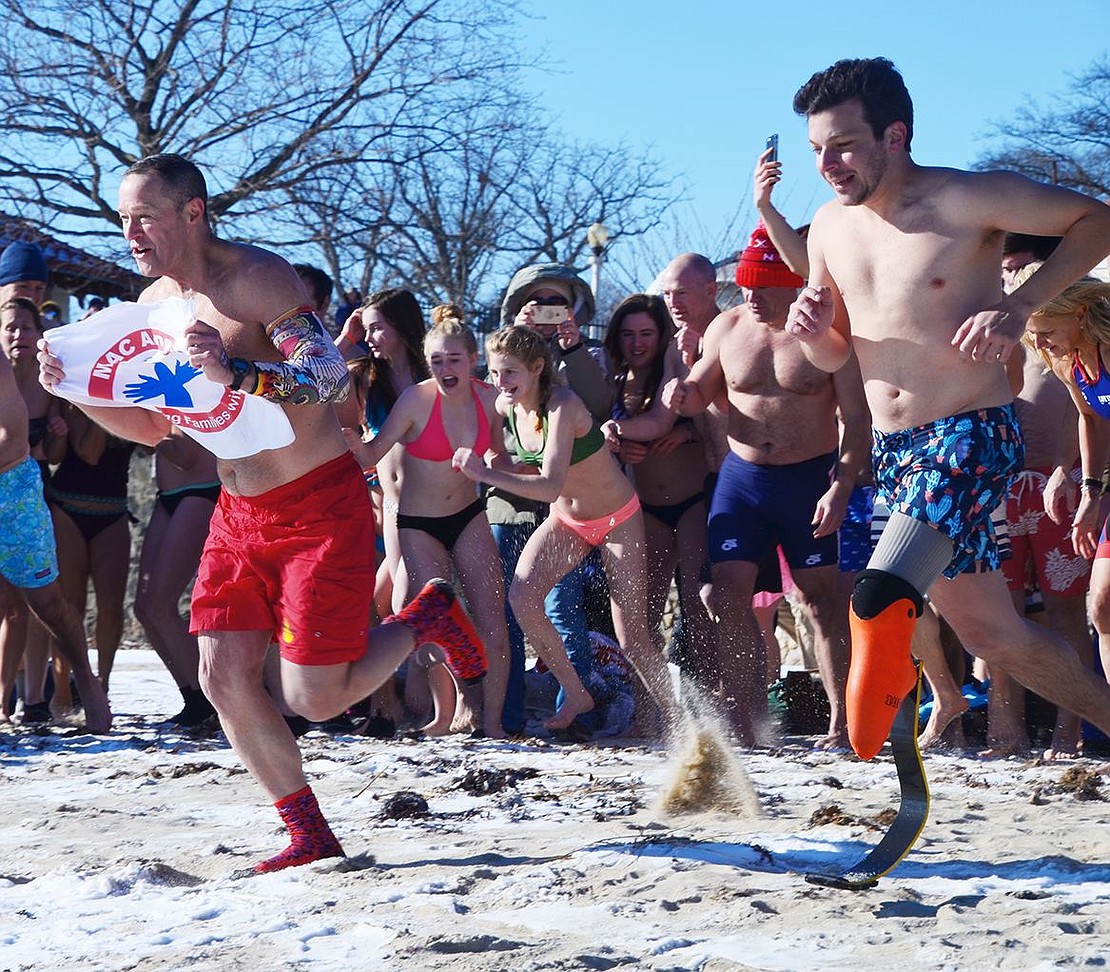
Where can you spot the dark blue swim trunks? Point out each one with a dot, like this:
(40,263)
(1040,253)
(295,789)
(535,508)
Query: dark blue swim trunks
(754,507)
(951,474)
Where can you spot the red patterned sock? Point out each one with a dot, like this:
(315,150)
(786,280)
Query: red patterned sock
(310,836)
(436,615)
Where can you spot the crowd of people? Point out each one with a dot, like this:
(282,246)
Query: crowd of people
(429,523)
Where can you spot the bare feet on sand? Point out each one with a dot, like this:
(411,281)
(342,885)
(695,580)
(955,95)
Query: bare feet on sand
(439,726)
(1063,753)
(1005,744)
(94,700)
(943,712)
(835,742)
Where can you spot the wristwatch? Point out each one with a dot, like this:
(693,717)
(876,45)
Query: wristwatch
(240,368)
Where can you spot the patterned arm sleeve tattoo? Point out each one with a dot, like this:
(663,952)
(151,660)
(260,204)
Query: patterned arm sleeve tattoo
(313,370)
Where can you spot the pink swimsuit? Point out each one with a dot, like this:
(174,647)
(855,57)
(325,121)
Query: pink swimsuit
(432,443)
(594,532)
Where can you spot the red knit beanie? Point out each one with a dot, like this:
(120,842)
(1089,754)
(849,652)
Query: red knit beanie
(761,266)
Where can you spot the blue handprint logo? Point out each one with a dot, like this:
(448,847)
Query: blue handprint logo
(165,384)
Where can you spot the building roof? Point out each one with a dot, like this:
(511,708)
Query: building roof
(72,269)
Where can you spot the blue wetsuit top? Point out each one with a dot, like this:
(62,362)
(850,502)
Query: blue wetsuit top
(1097,393)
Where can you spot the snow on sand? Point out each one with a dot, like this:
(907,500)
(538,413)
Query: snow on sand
(119,853)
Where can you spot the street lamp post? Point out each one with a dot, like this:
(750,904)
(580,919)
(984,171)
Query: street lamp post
(597,236)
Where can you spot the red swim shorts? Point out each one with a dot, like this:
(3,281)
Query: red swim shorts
(297,561)
(1039,544)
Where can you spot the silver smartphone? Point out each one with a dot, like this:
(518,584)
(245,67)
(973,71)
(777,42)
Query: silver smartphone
(543,314)
(773,145)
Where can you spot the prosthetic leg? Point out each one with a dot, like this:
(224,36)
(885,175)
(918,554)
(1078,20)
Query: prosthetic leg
(884,612)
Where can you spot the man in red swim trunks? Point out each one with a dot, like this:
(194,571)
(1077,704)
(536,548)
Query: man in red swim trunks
(289,555)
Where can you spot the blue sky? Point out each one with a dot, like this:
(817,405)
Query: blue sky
(702,83)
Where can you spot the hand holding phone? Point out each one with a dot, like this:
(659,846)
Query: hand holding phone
(767,173)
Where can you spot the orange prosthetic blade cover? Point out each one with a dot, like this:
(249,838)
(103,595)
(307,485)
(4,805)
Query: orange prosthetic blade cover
(881,675)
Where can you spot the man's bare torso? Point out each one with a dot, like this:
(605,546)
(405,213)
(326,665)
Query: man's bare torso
(238,275)
(908,281)
(13,419)
(782,409)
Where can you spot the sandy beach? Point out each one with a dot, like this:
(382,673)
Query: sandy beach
(121,853)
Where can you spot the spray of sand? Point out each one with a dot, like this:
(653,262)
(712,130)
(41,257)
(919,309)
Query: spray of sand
(703,772)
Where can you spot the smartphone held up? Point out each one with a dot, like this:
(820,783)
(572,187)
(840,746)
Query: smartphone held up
(549,314)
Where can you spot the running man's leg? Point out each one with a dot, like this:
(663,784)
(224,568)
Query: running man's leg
(980,611)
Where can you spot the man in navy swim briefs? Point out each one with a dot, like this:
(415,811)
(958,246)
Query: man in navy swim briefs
(785,482)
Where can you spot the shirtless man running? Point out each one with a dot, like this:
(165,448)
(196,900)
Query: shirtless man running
(289,556)
(904,269)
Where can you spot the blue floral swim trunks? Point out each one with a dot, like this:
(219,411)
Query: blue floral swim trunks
(950,474)
(27,556)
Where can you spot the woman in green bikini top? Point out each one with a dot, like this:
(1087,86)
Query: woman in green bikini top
(584,445)
(560,461)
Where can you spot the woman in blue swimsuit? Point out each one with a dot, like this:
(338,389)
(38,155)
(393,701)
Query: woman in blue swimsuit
(1072,334)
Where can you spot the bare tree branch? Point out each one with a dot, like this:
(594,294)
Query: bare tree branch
(1067,144)
(260,94)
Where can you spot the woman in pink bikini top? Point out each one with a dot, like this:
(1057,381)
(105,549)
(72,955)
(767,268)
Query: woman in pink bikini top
(441,520)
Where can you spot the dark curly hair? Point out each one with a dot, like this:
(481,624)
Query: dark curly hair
(875,81)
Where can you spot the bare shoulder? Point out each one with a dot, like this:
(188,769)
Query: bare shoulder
(253,285)
(1000,199)
(565,405)
(723,325)
(959,188)
(827,220)
(162,289)
(484,390)
(673,365)
(417,396)
(487,395)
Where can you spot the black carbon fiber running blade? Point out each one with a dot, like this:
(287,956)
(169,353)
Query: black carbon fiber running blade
(913,808)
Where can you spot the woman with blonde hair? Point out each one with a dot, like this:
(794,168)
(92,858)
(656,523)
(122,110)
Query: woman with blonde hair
(562,459)
(1071,333)
(441,522)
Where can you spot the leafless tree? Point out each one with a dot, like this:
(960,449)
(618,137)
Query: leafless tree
(463,210)
(504,196)
(266,96)
(1067,144)
(386,140)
